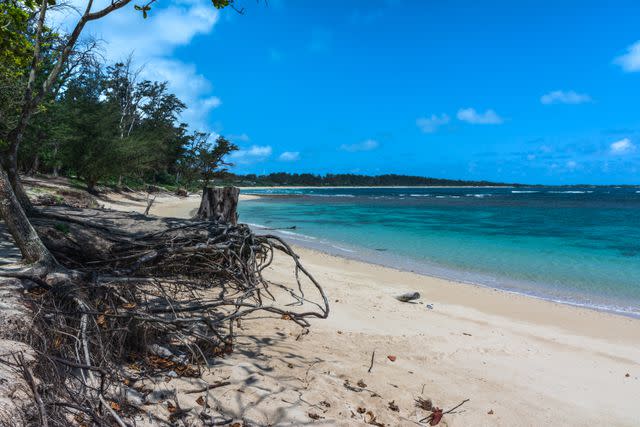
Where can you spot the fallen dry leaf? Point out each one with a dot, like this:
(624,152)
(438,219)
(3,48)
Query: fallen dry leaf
(115,406)
(171,407)
(101,320)
(187,371)
(370,418)
(79,418)
(490,412)
(286,317)
(129,305)
(361,410)
(627,375)
(200,401)
(392,358)
(435,417)
(361,384)
(393,406)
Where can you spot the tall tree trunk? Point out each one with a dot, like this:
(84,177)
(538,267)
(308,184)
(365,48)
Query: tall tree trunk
(220,204)
(10,164)
(24,235)
(56,168)
(35,166)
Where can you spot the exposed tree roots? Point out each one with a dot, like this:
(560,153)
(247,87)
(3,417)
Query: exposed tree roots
(137,304)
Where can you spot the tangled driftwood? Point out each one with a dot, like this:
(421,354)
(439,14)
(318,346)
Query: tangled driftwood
(141,303)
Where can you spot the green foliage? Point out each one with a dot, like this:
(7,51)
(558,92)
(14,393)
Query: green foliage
(96,123)
(16,47)
(307,179)
(105,127)
(202,161)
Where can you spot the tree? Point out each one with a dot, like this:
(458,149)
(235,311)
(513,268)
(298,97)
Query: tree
(203,161)
(40,84)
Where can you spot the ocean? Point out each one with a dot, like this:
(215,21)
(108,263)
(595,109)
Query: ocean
(577,246)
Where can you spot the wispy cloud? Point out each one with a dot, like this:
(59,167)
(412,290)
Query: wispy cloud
(630,61)
(368,145)
(431,124)
(289,156)
(562,97)
(624,146)
(243,137)
(254,154)
(470,115)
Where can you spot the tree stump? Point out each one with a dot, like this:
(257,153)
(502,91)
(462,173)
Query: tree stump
(219,204)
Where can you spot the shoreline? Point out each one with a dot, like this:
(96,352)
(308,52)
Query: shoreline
(419,268)
(521,360)
(491,301)
(186,207)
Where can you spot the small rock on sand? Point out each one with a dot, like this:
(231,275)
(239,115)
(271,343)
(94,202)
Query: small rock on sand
(409,296)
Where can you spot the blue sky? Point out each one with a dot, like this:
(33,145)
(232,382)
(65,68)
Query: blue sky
(528,91)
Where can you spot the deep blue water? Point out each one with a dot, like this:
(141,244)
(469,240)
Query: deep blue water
(574,245)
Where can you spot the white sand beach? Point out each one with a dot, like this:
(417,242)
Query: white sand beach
(520,361)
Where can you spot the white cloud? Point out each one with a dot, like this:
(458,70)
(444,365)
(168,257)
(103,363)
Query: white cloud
(572,164)
(470,115)
(243,137)
(211,102)
(368,145)
(431,124)
(254,154)
(153,41)
(289,156)
(562,97)
(623,146)
(630,61)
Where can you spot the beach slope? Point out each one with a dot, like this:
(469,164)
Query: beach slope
(519,360)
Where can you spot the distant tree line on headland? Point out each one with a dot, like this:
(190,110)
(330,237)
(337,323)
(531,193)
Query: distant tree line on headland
(339,180)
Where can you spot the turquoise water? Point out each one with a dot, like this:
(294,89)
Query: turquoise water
(574,245)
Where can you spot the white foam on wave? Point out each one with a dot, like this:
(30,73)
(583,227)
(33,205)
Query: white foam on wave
(340,248)
(523,191)
(332,195)
(571,192)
